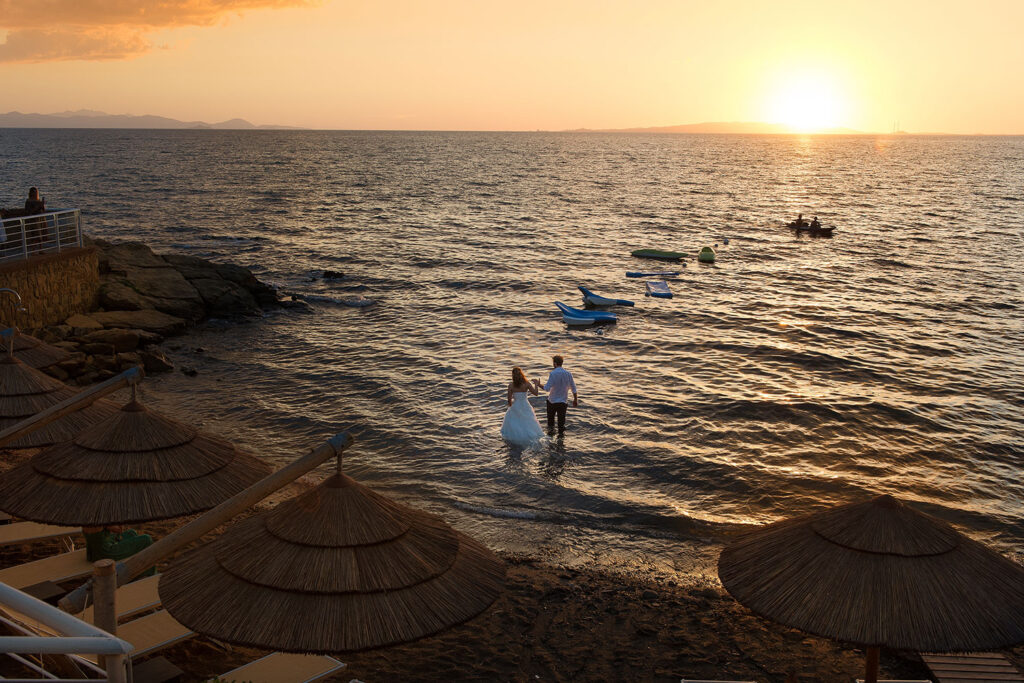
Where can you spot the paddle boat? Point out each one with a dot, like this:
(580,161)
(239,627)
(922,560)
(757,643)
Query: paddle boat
(578,316)
(595,300)
(659,254)
(706,255)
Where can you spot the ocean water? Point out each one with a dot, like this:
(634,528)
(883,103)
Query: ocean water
(793,374)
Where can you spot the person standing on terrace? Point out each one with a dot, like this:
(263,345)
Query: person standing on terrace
(34,203)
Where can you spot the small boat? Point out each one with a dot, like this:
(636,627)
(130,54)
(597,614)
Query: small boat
(706,255)
(662,273)
(595,300)
(659,254)
(578,316)
(658,289)
(806,228)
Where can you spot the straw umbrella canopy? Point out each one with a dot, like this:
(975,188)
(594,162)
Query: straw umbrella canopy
(34,352)
(25,391)
(879,573)
(134,466)
(337,569)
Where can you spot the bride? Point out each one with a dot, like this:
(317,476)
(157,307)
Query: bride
(520,425)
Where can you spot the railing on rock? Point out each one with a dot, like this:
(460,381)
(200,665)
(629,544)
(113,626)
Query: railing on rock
(43,233)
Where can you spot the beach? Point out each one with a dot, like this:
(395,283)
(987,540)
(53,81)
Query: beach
(559,622)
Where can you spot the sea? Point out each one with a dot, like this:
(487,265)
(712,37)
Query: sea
(792,374)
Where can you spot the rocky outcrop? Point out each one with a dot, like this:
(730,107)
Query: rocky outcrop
(143,298)
(133,278)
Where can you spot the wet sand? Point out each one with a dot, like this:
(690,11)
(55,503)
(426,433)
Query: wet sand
(556,622)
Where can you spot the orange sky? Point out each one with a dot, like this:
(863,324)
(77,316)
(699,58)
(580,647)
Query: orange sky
(476,65)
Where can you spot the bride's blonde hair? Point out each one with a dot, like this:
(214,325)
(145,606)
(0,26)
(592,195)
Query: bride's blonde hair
(518,377)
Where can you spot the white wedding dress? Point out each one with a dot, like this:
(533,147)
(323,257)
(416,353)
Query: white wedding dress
(520,425)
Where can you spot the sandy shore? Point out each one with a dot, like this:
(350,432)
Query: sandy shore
(563,623)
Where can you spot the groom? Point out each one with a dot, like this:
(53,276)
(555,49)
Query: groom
(558,385)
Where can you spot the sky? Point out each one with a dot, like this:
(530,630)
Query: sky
(936,66)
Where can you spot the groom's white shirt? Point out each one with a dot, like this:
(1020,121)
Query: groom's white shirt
(558,385)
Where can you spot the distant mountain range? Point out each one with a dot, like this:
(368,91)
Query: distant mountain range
(87,118)
(734,127)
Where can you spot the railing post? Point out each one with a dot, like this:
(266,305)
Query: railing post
(24,239)
(78,227)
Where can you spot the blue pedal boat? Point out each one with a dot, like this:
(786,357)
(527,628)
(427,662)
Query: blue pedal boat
(578,316)
(597,300)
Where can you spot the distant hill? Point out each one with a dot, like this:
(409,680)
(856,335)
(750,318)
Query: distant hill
(87,118)
(732,127)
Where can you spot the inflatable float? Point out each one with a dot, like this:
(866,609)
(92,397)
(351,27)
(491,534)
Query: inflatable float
(658,289)
(596,300)
(706,255)
(659,254)
(577,316)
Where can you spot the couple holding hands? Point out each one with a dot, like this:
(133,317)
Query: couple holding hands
(520,425)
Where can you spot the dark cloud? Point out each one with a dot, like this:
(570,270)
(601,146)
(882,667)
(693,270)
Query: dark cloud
(48,30)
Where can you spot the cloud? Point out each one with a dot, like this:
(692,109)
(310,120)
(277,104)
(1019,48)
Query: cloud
(49,30)
(47,46)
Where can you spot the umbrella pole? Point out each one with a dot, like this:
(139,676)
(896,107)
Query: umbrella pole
(74,601)
(871,670)
(131,376)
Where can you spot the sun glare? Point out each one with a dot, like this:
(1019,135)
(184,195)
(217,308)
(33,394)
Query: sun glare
(806,102)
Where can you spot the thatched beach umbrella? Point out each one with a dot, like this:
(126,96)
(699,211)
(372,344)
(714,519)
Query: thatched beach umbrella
(339,568)
(25,392)
(32,351)
(135,466)
(879,574)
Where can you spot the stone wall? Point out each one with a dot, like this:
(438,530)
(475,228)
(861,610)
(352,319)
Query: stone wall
(52,287)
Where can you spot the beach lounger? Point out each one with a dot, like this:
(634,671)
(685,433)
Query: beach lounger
(56,568)
(27,532)
(151,633)
(282,667)
(132,598)
(971,668)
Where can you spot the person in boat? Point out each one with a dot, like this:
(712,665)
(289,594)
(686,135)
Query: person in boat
(815,225)
(799,222)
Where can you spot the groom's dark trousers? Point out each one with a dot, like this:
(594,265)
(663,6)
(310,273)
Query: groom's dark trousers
(559,410)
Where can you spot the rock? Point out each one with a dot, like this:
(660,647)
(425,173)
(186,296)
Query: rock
(162,283)
(128,360)
(66,345)
(57,372)
(98,349)
(118,295)
(150,321)
(121,340)
(82,324)
(225,298)
(333,274)
(154,361)
(117,258)
(649,595)
(74,364)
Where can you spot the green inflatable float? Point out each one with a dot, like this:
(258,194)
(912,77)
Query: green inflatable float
(706,255)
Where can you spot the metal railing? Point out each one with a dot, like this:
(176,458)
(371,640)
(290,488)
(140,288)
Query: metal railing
(42,233)
(31,617)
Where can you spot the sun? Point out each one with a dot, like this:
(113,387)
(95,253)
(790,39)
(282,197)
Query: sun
(806,101)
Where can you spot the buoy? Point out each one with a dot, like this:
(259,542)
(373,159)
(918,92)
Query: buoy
(725,240)
(706,255)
